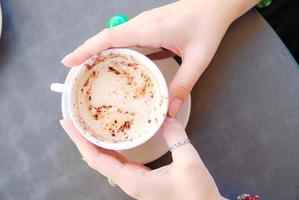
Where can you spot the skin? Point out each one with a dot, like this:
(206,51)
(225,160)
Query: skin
(193,30)
(186,175)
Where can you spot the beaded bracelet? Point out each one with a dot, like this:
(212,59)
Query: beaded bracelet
(264,3)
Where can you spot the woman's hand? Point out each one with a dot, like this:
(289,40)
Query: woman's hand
(185,178)
(192,29)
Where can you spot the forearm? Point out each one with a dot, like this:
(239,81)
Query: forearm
(231,9)
(242,6)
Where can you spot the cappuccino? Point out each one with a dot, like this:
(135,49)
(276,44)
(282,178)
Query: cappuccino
(118,98)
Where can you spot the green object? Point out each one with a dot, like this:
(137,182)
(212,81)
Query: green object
(117,20)
(264,3)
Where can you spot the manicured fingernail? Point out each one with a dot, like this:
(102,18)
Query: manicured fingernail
(62,123)
(66,58)
(112,183)
(174,107)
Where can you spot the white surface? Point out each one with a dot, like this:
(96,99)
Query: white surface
(0,20)
(156,146)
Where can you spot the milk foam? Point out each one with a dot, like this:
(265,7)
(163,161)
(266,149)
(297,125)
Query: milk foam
(119,99)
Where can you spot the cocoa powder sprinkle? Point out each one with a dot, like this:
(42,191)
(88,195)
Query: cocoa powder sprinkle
(126,125)
(132,64)
(86,83)
(94,73)
(111,69)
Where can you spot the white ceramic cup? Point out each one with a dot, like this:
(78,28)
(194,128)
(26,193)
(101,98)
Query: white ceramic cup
(71,90)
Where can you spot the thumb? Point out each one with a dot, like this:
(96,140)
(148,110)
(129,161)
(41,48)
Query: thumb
(124,35)
(174,133)
(192,67)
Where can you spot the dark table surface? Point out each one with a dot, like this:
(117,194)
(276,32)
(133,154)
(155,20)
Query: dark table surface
(244,120)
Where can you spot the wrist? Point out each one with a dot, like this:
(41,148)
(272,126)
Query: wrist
(231,9)
(240,7)
(216,195)
(228,10)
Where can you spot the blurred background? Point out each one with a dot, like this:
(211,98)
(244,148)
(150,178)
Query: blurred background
(283,16)
(252,133)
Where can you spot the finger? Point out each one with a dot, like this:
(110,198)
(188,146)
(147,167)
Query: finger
(173,133)
(105,161)
(192,67)
(89,151)
(124,35)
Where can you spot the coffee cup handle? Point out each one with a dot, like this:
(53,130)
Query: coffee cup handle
(58,87)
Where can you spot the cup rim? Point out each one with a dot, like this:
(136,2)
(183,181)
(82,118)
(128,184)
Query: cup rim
(143,137)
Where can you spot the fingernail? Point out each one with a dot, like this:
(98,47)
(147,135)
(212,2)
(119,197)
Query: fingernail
(112,183)
(61,122)
(174,107)
(83,158)
(66,58)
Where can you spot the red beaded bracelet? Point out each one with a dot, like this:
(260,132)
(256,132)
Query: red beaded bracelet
(248,197)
